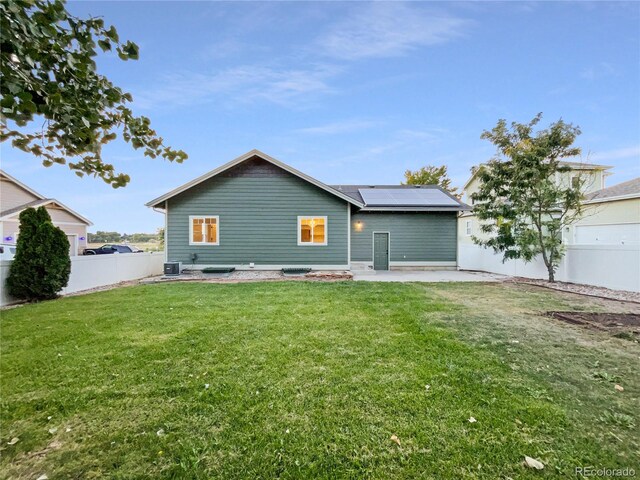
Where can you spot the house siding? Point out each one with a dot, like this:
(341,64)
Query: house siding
(12,196)
(258,205)
(415,237)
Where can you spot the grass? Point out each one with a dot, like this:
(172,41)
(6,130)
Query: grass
(311,380)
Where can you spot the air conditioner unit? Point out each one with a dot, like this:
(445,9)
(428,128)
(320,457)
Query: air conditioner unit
(172,268)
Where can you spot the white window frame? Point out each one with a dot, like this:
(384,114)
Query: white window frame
(312,244)
(192,218)
(468,228)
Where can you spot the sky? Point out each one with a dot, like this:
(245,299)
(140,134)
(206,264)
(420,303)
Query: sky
(352,92)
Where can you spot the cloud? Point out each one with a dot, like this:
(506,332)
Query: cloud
(249,83)
(617,154)
(603,69)
(345,126)
(387,30)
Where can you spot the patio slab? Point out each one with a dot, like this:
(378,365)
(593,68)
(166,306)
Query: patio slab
(426,276)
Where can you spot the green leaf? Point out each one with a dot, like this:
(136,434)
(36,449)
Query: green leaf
(112,34)
(105,45)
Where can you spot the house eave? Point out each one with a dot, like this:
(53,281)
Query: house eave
(44,203)
(629,196)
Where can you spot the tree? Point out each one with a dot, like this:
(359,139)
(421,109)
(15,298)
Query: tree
(430,175)
(54,103)
(160,235)
(42,264)
(104,237)
(522,207)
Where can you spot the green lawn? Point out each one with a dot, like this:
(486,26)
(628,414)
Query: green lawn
(311,380)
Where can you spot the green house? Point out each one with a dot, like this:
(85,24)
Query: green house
(256,212)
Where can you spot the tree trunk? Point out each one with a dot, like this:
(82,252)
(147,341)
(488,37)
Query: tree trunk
(552,277)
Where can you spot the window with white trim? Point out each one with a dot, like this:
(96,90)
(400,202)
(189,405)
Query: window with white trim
(204,230)
(312,230)
(468,228)
(575,182)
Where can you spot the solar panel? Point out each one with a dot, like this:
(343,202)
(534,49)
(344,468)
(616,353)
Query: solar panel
(408,197)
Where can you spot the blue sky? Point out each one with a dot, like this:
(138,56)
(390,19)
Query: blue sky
(353,92)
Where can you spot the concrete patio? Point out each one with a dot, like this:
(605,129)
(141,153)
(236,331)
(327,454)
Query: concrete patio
(425,276)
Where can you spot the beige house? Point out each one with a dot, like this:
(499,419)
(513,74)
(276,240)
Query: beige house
(15,197)
(602,248)
(611,217)
(590,175)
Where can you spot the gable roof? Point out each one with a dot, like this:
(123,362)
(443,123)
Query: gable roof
(572,165)
(441,203)
(158,202)
(12,212)
(39,202)
(621,191)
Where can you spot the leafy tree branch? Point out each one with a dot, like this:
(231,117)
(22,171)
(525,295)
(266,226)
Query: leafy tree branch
(54,103)
(430,175)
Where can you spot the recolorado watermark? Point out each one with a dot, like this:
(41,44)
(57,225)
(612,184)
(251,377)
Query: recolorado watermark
(604,472)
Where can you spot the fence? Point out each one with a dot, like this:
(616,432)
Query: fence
(93,271)
(610,266)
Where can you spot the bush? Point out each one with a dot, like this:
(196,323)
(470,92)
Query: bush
(42,265)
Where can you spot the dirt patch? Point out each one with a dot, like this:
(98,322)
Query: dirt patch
(588,290)
(616,323)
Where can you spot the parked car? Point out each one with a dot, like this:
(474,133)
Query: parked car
(7,252)
(110,248)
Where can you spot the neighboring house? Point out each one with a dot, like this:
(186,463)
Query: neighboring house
(602,248)
(15,197)
(257,212)
(611,216)
(591,176)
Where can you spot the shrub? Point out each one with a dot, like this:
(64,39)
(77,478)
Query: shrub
(42,265)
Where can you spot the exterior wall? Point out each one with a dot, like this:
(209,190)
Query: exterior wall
(608,223)
(12,227)
(60,215)
(618,211)
(98,271)
(416,239)
(258,205)
(593,179)
(11,195)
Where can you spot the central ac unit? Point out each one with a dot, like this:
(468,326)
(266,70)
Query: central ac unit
(172,268)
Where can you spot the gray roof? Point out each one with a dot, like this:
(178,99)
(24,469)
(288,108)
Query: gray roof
(19,208)
(624,189)
(438,199)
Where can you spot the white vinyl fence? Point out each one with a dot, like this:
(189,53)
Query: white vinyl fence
(93,271)
(611,266)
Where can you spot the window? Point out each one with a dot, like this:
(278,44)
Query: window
(312,230)
(575,182)
(468,228)
(203,230)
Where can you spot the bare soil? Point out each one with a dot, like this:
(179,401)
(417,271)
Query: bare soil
(614,322)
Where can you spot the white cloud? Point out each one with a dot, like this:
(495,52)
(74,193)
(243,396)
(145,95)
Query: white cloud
(247,83)
(617,154)
(388,29)
(603,69)
(345,126)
